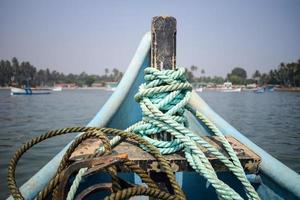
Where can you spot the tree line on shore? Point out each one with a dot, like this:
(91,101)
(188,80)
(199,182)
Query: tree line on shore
(18,74)
(14,73)
(286,75)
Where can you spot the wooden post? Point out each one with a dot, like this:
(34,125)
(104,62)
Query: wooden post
(163,56)
(163,46)
(163,50)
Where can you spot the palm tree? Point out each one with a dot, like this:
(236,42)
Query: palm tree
(202,71)
(115,73)
(106,71)
(194,68)
(256,76)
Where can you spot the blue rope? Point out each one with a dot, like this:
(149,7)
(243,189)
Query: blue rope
(163,99)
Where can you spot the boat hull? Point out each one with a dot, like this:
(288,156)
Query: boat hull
(199,89)
(231,90)
(259,90)
(57,89)
(27,91)
(273,181)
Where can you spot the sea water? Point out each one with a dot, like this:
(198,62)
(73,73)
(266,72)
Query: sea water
(271,120)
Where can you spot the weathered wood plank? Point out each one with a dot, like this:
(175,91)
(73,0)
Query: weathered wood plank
(163,46)
(163,51)
(250,161)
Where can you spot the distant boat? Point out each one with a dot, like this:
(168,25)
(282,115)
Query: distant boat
(199,89)
(249,89)
(111,86)
(260,90)
(227,87)
(28,91)
(270,88)
(232,90)
(57,89)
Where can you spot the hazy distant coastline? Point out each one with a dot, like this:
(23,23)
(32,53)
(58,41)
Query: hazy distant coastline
(13,73)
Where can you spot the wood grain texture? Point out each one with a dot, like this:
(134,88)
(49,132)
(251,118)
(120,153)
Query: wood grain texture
(249,160)
(163,45)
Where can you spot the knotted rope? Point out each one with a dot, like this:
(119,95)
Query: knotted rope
(163,99)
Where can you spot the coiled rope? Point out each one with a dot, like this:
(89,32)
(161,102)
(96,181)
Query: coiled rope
(151,190)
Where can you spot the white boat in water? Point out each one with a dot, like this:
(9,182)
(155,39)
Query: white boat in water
(227,87)
(110,89)
(111,86)
(57,89)
(199,89)
(232,90)
(28,91)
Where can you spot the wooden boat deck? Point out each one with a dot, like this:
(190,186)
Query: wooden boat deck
(249,160)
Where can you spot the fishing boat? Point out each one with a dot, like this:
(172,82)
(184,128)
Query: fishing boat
(28,91)
(250,87)
(111,86)
(227,87)
(57,89)
(270,88)
(270,178)
(199,89)
(260,90)
(110,89)
(231,90)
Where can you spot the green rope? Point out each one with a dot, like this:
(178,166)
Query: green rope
(163,99)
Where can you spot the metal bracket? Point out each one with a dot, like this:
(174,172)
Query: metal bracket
(94,164)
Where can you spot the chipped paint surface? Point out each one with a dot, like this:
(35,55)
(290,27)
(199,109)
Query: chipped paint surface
(248,158)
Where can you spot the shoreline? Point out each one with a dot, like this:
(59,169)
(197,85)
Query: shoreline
(292,89)
(277,89)
(77,88)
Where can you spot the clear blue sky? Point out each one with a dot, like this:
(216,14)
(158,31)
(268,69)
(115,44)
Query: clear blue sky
(76,36)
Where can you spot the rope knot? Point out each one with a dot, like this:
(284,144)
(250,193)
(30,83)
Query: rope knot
(163,95)
(163,98)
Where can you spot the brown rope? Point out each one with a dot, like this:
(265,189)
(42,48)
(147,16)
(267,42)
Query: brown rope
(100,133)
